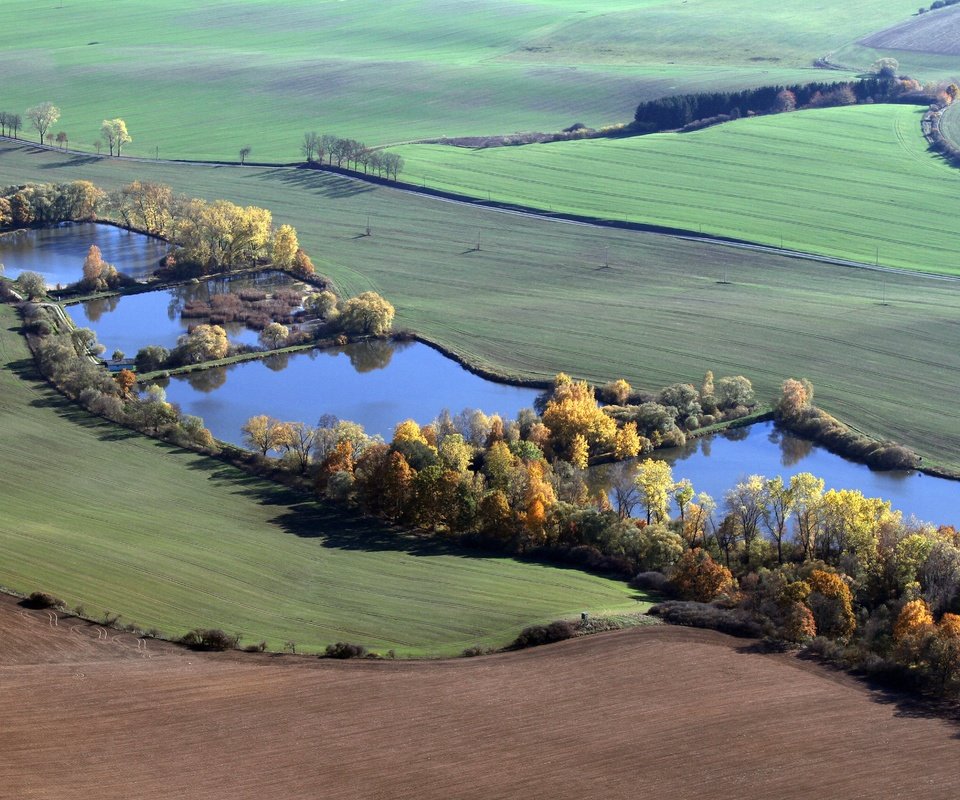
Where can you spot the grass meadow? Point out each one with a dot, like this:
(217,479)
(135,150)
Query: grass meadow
(200,80)
(950,124)
(537,299)
(99,515)
(855,183)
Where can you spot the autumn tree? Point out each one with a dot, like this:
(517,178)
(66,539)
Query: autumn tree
(42,116)
(654,481)
(628,443)
(274,335)
(145,205)
(831,602)
(367,314)
(114,131)
(125,380)
(62,139)
(204,343)
(776,512)
(747,503)
(284,247)
(261,433)
(795,397)
(806,493)
(914,620)
(222,234)
(580,452)
(297,440)
(571,410)
(696,576)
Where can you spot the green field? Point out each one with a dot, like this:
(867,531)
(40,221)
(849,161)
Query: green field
(536,299)
(950,124)
(854,182)
(201,80)
(104,517)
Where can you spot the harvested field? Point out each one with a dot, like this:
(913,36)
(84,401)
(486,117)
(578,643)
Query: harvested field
(936,32)
(676,712)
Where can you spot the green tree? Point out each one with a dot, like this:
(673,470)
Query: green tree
(32,284)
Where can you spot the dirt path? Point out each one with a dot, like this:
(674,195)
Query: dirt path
(659,712)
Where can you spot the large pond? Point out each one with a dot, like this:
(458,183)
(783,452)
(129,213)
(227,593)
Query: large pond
(57,253)
(377,384)
(135,321)
(716,463)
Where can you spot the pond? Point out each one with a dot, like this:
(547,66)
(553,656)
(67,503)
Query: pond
(132,322)
(714,464)
(376,384)
(57,253)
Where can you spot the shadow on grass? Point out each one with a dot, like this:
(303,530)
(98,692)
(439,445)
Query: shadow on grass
(73,161)
(324,184)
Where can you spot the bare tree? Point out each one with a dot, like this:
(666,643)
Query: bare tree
(42,117)
(15,123)
(244,152)
(62,139)
(310,146)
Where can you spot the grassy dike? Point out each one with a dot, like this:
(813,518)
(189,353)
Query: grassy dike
(116,521)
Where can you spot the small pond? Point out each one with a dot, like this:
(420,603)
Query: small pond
(131,322)
(714,464)
(57,253)
(376,384)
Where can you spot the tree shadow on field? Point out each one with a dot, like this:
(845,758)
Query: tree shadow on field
(893,688)
(321,183)
(74,161)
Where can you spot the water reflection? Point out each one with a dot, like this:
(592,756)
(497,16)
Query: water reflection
(132,322)
(375,386)
(715,464)
(57,253)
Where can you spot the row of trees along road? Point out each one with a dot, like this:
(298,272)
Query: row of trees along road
(44,116)
(316,147)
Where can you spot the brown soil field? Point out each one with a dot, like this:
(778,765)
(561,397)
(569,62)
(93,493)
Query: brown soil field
(651,712)
(936,32)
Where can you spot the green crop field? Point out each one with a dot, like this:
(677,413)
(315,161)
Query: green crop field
(855,183)
(950,124)
(536,299)
(98,515)
(202,80)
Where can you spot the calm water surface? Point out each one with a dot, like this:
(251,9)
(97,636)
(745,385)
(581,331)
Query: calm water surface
(716,463)
(57,253)
(377,384)
(132,322)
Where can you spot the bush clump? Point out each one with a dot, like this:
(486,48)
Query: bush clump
(703,615)
(345,650)
(41,600)
(209,639)
(536,635)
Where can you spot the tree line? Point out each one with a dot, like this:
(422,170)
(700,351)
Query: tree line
(44,115)
(686,110)
(315,147)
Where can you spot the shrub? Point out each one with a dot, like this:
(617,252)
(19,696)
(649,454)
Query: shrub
(536,635)
(345,650)
(43,600)
(209,639)
(702,615)
(652,581)
(477,650)
(259,647)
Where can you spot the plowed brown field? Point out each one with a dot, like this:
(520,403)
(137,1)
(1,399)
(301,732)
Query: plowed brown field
(658,712)
(936,32)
